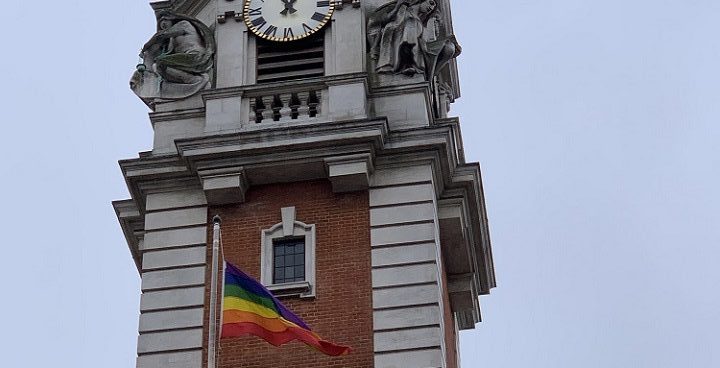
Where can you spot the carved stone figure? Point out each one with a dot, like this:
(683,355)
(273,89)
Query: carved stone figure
(396,32)
(439,53)
(176,61)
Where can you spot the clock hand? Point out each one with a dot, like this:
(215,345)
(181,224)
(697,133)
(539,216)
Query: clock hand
(288,7)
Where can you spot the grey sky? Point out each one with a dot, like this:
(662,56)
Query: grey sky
(596,123)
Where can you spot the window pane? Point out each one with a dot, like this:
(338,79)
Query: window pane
(289,260)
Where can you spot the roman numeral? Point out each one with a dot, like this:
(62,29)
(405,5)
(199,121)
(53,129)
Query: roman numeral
(318,17)
(323,4)
(254,12)
(306,27)
(271,30)
(288,33)
(259,22)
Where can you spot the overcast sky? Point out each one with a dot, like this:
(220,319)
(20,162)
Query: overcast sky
(596,124)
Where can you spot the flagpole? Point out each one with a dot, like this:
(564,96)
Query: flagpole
(212,328)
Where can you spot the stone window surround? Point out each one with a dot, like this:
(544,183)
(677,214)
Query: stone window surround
(288,228)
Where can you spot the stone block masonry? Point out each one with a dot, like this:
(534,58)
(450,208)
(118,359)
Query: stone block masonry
(173,278)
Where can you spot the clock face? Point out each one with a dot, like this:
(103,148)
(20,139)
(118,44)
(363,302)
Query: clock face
(286,20)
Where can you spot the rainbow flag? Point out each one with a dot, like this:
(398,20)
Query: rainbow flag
(249,308)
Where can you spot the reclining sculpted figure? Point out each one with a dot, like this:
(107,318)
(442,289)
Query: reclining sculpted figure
(176,61)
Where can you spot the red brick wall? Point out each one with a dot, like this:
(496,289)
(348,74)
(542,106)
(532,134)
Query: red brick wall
(450,336)
(342,310)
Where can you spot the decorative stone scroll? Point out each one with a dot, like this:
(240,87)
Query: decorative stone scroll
(176,61)
(399,44)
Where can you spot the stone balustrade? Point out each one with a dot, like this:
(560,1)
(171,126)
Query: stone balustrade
(288,106)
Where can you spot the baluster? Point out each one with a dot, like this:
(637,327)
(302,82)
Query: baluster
(268,114)
(257,110)
(303,108)
(318,108)
(313,103)
(251,114)
(277,105)
(286,110)
(294,105)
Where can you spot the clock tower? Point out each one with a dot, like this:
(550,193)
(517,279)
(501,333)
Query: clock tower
(319,132)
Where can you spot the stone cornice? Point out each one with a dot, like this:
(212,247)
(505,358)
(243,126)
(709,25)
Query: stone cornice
(440,145)
(284,86)
(176,115)
(286,138)
(302,151)
(132,223)
(454,124)
(400,89)
(149,174)
(467,185)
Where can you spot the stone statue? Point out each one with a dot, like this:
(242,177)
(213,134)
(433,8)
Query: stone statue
(176,61)
(396,32)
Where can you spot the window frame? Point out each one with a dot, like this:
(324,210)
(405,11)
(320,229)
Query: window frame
(288,229)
